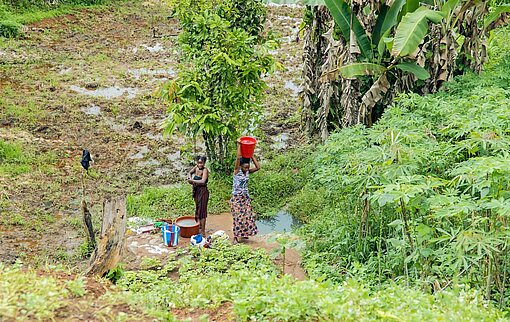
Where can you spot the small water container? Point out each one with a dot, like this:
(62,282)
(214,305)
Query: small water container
(170,235)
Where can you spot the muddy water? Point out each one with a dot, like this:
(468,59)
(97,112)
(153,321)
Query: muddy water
(107,92)
(141,153)
(187,222)
(282,222)
(138,73)
(280,141)
(293,87)
(92,109)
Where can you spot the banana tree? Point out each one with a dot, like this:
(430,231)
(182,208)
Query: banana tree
(360,54)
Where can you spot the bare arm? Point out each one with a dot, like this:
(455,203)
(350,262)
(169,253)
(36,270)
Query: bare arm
(191,172)
(201,182)
(238,157)
(256,163)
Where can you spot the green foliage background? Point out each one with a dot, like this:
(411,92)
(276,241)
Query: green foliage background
(423,196)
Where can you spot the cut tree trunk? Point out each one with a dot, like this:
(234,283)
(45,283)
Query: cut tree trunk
(111,243)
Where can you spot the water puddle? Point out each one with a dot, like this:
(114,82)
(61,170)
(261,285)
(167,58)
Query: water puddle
(148,163)
(65,71)
(288,39)
(143,150)
(159,172)
(138,73)
(293,87)
(154,49)
(280,141)
(115,126)
(174,156)
(92,109)
(107,92)
(155,137)
(282,222)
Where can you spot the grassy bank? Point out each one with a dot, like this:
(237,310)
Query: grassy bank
(271,189)
(15,14)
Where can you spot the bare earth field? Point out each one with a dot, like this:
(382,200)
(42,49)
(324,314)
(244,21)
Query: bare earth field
(90,80)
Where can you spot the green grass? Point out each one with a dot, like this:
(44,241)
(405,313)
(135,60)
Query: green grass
(15,159)
(175,201)
(28,113)
(15,14)
(25,295)
(247,280)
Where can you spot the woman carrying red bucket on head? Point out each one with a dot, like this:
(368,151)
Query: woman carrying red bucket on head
(240,203)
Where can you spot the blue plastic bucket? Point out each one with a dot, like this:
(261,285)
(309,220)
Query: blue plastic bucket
(175,230)
(170,235)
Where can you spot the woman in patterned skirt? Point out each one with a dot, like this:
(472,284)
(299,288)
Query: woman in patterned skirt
(240,203)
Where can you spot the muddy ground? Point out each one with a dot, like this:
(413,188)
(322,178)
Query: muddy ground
(90,80)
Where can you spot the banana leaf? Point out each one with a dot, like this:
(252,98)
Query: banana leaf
(415,69)
(412,29)
(341,13)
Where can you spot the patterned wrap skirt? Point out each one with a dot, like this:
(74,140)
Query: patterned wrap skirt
(242,214)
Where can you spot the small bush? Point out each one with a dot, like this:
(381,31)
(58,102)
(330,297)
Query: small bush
(10,29)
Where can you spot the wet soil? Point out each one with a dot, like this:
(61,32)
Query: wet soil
(90,80)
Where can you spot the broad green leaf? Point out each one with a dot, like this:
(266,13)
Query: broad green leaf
(411,6)
(396,223)
(382,44)
(415,69)
(491,17)
(341,13)
(412,29)
(360,69)
(301,2)
(449,6)
(387,20)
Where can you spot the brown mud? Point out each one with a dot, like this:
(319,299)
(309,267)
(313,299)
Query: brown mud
(90,80)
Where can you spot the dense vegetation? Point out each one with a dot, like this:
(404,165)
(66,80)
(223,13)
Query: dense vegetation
(423,195)
(249,281)
(407,220)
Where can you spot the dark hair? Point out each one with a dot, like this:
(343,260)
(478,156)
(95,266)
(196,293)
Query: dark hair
(244,161)
(201,158)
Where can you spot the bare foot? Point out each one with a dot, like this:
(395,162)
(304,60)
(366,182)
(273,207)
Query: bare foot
(236,241)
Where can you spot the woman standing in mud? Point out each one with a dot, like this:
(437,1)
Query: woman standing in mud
(240,203)
(200,192)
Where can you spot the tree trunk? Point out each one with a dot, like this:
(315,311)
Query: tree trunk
(111,244)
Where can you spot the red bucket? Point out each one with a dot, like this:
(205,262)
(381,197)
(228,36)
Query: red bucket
(247,146)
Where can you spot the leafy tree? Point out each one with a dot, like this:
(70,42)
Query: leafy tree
(218,91)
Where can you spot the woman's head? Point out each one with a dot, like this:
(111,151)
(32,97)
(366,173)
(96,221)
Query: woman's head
(244,163)
(201,160)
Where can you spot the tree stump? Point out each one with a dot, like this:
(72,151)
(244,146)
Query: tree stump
(111,243)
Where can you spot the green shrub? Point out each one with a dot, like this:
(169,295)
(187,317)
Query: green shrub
(422,195)
(279,179)
(10,29)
